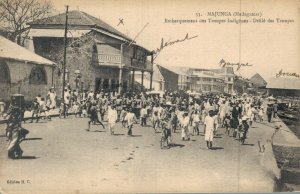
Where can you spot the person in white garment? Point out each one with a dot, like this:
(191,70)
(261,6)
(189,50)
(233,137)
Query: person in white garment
(209,127)
(130,118)
(51,98)
(185,127)
(112,117)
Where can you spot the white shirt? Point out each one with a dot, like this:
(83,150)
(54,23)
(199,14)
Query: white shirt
(129,118)
(209,122)
(112,115)
(185,121)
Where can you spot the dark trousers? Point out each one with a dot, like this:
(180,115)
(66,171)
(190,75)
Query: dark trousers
(269,117)
(143,121)
(129,130)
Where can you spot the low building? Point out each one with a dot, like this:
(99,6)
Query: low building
(99,57)
(157,80)
(22,71)
(283,86)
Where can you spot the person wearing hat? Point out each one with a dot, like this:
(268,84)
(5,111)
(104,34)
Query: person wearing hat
(209,127)
(244,129)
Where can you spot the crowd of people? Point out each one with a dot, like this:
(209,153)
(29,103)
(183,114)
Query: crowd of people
(169,113)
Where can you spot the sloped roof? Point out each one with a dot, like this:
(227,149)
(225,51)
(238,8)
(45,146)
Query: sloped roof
(78,18)
(11,50)
(258,80)
(284,83)
(176,69)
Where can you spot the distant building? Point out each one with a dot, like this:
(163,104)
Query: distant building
(258,81)
(206,81)
(284,86)
(99,57)
(22,71)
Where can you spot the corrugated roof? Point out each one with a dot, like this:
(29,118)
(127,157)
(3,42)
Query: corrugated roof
(284,83)
(78,18)
(11,50)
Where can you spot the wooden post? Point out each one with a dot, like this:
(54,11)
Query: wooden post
(132,81)
(142,85)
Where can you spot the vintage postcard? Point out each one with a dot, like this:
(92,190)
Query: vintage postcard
(149,96)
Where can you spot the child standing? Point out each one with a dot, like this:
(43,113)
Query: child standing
(226,124)
(76,109)
(260,114)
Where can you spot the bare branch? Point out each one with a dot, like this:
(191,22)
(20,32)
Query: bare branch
(15,14)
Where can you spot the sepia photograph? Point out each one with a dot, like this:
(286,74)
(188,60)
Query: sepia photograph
(149,96)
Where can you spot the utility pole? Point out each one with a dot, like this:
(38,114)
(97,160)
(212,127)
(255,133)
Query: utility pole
(65,58)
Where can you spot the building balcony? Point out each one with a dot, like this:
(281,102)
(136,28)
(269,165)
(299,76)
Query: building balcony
(107,59)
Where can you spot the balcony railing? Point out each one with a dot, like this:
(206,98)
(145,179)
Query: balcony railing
(107,59)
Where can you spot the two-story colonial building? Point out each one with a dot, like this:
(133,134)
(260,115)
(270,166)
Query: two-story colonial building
(99,57)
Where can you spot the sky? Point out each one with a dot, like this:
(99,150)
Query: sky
(268,47)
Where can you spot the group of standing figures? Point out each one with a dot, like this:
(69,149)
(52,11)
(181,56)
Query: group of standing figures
(168,113)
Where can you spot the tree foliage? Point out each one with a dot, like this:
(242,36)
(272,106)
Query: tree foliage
(15,14)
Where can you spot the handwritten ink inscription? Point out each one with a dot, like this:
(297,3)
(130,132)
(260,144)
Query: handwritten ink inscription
(223,63)
(287,74)
(164,44)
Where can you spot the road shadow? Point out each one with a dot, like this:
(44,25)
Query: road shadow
(34,138)
(217,148)
(98,131)
(173,145)
(218,137)
(118,134)
(135,136)
(249,144)
(28,158)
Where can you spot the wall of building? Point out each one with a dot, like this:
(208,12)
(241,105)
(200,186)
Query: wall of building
(82,55)
(20,82)
(283,92)
(170,78)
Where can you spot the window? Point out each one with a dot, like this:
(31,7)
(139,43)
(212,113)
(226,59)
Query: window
(38,76)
